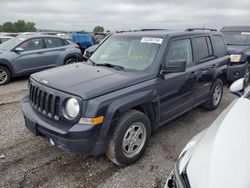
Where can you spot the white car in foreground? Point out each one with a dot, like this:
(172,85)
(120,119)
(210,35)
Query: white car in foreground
(219,156)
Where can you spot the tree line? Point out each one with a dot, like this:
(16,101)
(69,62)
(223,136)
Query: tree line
(22,26)
(18,26)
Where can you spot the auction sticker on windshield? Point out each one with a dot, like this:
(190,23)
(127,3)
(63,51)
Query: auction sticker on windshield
(151,40)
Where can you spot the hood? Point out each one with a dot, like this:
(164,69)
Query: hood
(88,81)
(221,158)
(236,49)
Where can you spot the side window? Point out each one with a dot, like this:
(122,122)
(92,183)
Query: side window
(32,44)
(54,42)
(219,46)
(180,49)
(209,44)
(203,47)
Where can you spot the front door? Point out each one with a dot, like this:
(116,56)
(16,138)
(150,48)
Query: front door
(32,58)
(176,90)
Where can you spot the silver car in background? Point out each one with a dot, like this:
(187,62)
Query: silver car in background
(4,38)
(26,54)
(218,157)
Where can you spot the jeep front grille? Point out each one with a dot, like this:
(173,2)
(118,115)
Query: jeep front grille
(44,102)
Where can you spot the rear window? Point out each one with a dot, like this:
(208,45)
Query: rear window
(219,46)
(202,47)
(54,42)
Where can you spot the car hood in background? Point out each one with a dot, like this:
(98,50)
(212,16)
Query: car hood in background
(88,81)
(236,49)
(222,157)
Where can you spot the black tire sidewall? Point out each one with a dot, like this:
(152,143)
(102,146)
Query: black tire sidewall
(70,59)
(8,75)
(123,124)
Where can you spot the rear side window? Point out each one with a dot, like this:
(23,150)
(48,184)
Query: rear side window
(54,42)
(180,49)
(219,46)
(204,47)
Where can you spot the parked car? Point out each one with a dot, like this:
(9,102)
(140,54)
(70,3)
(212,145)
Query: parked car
(83,40)
(238,43)
(98,37)
(24,55)
(133,84)
(4,39)
(90,50)
(218,156)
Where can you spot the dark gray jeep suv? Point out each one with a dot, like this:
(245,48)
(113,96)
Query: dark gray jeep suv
(133,84)
(24,55)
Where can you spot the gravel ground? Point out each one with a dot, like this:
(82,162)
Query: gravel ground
(29,161)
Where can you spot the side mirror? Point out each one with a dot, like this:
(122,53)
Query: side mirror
(18,50)
(174,66)
(237,87)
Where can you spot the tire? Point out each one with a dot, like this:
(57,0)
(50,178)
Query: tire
(215,96)
(4,76)
(246,77)
(70,61)
(124,138)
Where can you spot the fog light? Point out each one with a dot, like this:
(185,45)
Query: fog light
(236,73)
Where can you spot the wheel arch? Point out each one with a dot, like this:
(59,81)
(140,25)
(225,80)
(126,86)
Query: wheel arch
(73,55)
(146,102)
(7,64)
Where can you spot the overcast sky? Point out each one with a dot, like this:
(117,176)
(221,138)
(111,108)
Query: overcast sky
(126,14)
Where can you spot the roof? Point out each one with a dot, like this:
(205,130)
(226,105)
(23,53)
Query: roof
(235,28)
(5,37)
(36,36)
(163,33)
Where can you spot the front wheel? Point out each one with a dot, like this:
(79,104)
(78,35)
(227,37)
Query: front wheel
(130,138)
(215,96)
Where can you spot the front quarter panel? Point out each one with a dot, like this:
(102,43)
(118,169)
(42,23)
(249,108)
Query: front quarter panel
(114,104)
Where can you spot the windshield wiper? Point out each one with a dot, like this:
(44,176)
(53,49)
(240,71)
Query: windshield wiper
(92,61)
(239,44)
(116,67)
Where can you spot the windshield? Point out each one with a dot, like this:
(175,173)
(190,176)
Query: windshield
(237,38)
(11,43)
(136,53)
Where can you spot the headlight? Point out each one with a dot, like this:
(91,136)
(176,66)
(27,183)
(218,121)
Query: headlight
(187,152)
(235,58)
(185,156)
(72,108)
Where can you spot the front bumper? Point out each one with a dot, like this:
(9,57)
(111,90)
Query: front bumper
(79,138)
(236,72)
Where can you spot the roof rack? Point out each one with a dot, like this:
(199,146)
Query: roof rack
(138,30)
(203,29)
(152,29)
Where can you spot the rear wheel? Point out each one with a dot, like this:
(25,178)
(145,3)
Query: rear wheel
(130,138)
(215,96)
(4,76)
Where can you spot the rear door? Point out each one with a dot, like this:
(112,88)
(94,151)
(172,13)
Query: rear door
(32,58)
(207,64)
(54,52)
(176,90)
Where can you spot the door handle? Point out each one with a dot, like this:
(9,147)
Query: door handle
(40,52)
